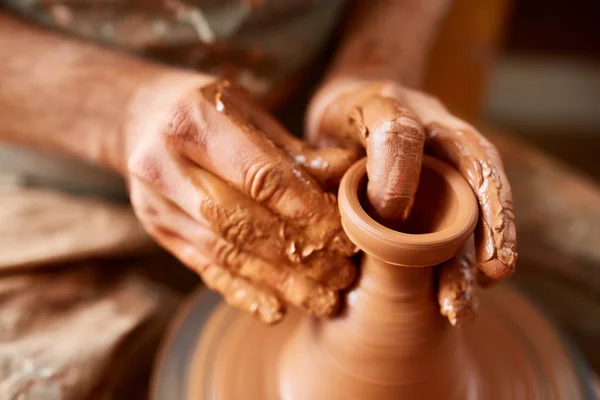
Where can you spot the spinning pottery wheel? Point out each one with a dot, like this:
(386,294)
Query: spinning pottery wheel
(390,341)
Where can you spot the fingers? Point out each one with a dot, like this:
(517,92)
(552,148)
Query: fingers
(249,226)
(376,117)
(394,141)
(241,294)
(214,135)
(461,145)
(327,164)
(457,286)
(236,291)
(479,162)
(240,220)
(288,283)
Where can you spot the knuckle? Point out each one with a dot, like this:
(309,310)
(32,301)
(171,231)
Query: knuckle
(404,128)
(233,225)
(204,271)
(411,129)
(182,126)
(146,166)
(238,230)
(263,179)
(209,272)
(398,194)
(186,128)
(225,253)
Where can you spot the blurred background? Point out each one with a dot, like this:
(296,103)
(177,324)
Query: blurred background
(546,84)
(527,72)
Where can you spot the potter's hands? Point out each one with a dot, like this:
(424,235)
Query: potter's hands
(395,125)
(213,180)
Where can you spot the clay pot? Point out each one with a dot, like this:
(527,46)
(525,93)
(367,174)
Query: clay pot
(390,341)
(443,217)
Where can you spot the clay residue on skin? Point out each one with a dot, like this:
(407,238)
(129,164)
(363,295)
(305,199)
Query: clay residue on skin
(339,119)
(394,140)
(287,277)
(406,350)
(457,295)
(327,165)
(239,219)
(243,295)
(307,264)
(223,96)
(480,164)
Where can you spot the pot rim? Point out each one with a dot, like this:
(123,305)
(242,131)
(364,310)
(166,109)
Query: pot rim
(401,248)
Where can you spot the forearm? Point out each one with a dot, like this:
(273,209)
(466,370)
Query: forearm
(64,95)
(389,39)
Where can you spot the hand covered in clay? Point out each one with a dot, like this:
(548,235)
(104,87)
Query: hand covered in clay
(395,125)
(213,179)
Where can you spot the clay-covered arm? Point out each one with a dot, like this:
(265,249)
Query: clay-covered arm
(370,101)
(64,95)
(211,175)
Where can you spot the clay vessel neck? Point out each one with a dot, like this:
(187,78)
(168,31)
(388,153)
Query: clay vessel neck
(392,313)
(390,343)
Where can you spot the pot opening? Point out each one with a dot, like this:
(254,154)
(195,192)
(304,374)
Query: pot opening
(435,206)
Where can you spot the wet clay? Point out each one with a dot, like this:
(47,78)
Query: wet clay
(393,123)
(257,229)
(511,352)
(390,341)
(406,349)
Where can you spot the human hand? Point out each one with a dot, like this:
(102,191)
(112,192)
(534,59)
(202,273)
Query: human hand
(395,125)
(213,179)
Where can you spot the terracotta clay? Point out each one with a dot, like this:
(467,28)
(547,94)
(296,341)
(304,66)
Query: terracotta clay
(392,123)
(406,349)
(390,341)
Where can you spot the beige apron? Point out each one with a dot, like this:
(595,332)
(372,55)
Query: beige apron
(74,319)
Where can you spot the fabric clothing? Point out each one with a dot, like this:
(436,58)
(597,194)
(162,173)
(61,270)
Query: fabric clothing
(83,290)
(80,315)
(261,44)
(258,43)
